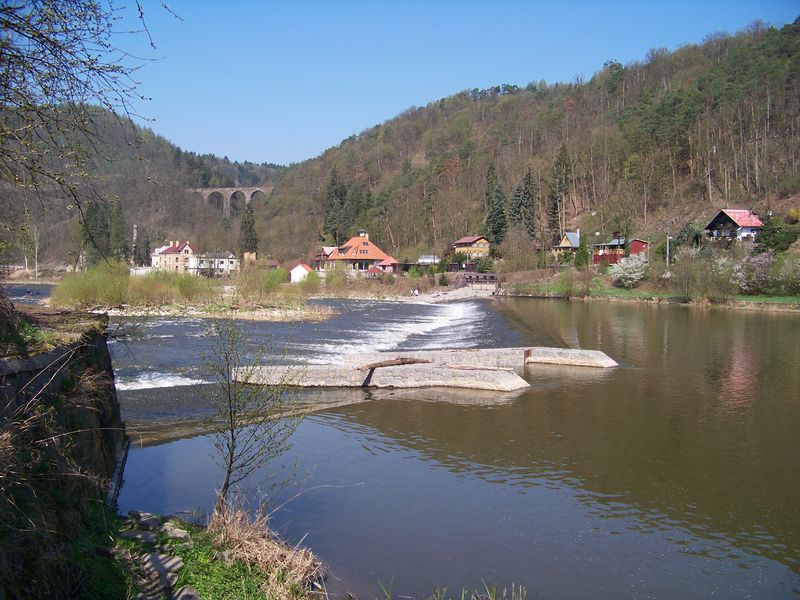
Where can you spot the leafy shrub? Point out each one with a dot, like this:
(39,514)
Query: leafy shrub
(629,271)
(443,280)
(567,283)
(752,274)
(103,284)
(257,284)
(335,279)
(311,284)
(789,277)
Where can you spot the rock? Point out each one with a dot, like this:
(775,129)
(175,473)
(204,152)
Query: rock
(161,563)
(145,537)
(174,532)
(187,592)
(145,520)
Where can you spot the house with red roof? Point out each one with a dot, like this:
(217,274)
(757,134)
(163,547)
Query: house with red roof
(177,257)
(356,255)
(474,246)
(734,223)
(299,273)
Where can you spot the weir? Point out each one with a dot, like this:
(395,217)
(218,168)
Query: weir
(484,369)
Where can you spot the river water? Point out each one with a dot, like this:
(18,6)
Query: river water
(675,475)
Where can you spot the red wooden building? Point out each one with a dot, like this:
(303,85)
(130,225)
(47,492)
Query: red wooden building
(611,252)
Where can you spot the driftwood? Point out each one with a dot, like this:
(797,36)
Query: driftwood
(395,362)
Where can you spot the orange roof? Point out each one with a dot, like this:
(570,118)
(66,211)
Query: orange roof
(358,248)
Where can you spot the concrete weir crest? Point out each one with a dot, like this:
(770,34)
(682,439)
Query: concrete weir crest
(485,369)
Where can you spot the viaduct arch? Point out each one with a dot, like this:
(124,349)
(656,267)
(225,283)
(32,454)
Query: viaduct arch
(230,196)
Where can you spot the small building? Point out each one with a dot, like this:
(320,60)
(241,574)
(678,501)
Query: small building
(389,265)
(356,255)
(219,263)
(734,223)
(569,243)
(474,246)
(300,273)
(612,252)
(426,260)
(175,257)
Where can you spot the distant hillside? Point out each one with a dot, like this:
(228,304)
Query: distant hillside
(654,143)
(147,175)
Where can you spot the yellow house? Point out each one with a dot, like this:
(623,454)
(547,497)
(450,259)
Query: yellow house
(569,243)
(474,246)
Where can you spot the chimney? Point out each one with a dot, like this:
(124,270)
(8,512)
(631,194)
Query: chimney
(362,233)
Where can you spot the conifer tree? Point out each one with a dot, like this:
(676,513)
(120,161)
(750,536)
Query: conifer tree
(335,198)
(118,238)
(496,224)
(95,228)
(248,238)
(491,185)
(529,203)
(582,254)
(559,186)
(516,205)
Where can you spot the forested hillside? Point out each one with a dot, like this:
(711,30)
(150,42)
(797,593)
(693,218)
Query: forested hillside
(143,177)
(646,146)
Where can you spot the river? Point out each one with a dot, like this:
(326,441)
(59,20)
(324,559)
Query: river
(676,474)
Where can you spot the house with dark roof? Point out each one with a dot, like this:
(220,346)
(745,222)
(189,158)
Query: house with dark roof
(474,246)
(219,263)
(175,257)
(734,223)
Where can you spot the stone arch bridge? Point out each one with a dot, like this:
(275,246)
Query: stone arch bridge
(231,200)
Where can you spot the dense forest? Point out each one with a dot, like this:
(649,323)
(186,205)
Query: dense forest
(136,177)
(643,147)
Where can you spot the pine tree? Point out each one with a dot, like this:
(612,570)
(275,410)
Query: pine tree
(496,224)
(516,205)
(118,238)
(335,198)
(248,238)
(559,186)
(529,193)
(491,185)
(95,229)
(582,254)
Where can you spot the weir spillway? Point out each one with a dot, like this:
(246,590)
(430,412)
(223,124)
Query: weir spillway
(484,369)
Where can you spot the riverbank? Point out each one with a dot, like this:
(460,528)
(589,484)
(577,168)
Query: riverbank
(256,313)
(754,303)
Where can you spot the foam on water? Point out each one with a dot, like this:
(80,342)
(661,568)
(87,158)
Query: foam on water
(155,380)
(444,326)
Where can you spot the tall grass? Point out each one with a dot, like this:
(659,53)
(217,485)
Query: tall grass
(104,284)
(262,286)
(111,285)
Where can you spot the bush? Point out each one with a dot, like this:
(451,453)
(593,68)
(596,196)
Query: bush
(103,284)
(629,271)
(752,274)
(311,284)
(567,283)
(443,280)
(257,284)
(335,279)
(789,277)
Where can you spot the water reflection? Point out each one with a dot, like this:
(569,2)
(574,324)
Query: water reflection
(673,475)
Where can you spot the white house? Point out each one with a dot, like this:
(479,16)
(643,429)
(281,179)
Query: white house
(300,272)
(219,263)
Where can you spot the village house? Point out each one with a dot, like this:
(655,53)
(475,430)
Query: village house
(356,255)
(390,265)
(175,257)
(219,263)
(300,273)
(426,260)
(612,252)
(474,246)
(569,243)
(734,223)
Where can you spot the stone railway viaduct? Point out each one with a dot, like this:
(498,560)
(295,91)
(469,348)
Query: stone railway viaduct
(231,200)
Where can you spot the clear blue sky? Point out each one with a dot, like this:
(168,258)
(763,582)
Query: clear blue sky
(281,81)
